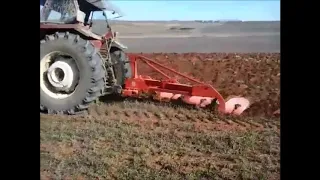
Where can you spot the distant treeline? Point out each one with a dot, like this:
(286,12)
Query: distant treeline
(217,21)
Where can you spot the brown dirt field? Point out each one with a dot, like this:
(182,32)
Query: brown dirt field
(134,139)
(143,141)
(140,112)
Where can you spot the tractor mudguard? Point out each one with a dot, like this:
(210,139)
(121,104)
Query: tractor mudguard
(119,45)
(88,33)
(85,31)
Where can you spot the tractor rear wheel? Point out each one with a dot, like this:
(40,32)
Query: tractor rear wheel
(72,74)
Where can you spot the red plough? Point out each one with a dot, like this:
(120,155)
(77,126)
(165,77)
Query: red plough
(200,95)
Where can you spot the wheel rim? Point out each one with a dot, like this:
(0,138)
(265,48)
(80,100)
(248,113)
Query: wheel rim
(59,75)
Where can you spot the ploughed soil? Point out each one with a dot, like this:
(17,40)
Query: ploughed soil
(134,139)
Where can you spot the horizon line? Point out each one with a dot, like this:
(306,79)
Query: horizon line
(195,20)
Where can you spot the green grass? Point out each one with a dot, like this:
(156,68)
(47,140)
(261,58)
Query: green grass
(90,148)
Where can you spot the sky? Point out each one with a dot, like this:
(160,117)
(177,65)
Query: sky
(245,10)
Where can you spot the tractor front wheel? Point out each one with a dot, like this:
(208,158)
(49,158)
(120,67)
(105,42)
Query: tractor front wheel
(121,67)
(71,74)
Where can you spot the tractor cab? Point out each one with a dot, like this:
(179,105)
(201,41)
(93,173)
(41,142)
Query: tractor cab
(78,12)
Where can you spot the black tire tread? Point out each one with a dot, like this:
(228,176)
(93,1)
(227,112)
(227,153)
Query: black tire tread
(98,78)
(119,59)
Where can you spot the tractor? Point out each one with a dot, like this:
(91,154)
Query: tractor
(74,73)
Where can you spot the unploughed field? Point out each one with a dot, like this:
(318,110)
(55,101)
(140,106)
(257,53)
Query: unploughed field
(147,140)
